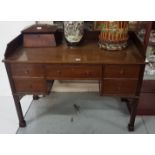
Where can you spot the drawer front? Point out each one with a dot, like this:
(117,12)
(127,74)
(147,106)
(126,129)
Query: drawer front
(39,40)
(121,71)
(30,85)
(53,71)
(119,86)
(73,71)
(82,71)
(27,70)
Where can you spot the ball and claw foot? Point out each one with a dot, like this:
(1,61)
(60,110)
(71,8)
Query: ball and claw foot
(22,124)
(130,127)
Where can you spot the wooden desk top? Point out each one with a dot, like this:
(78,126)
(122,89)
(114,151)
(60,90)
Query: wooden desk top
(88,53)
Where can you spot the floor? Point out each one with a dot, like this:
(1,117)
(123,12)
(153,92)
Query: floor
(66,111)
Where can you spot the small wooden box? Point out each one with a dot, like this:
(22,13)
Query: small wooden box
(39,36)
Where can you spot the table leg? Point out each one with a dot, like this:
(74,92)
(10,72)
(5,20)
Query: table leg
(124,99)
(16,98)
(35,97)
(22,122)
(133,115)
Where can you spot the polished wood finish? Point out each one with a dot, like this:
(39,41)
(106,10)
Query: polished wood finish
(13,45)
(133,114)
(39,40)
(146,104)
(148,86)
(141,47)
(75,71)
(121,71)
(87,53)
(32,70)
(40,28)
(30,85)
(27,70)
(40,35)
(16,97)
(120,87)
(147,34)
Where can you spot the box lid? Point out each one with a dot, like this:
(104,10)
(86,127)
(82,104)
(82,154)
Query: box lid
(40,28)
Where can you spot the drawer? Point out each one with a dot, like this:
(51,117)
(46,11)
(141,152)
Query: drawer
(53,71)
(39,40)
(73,71)
(30,85)
(121,71)
(27,70)
(82,71)
(119,86)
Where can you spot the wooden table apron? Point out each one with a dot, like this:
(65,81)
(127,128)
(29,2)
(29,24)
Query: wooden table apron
(33,70)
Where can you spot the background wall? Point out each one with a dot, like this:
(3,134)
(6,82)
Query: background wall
(8,116)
